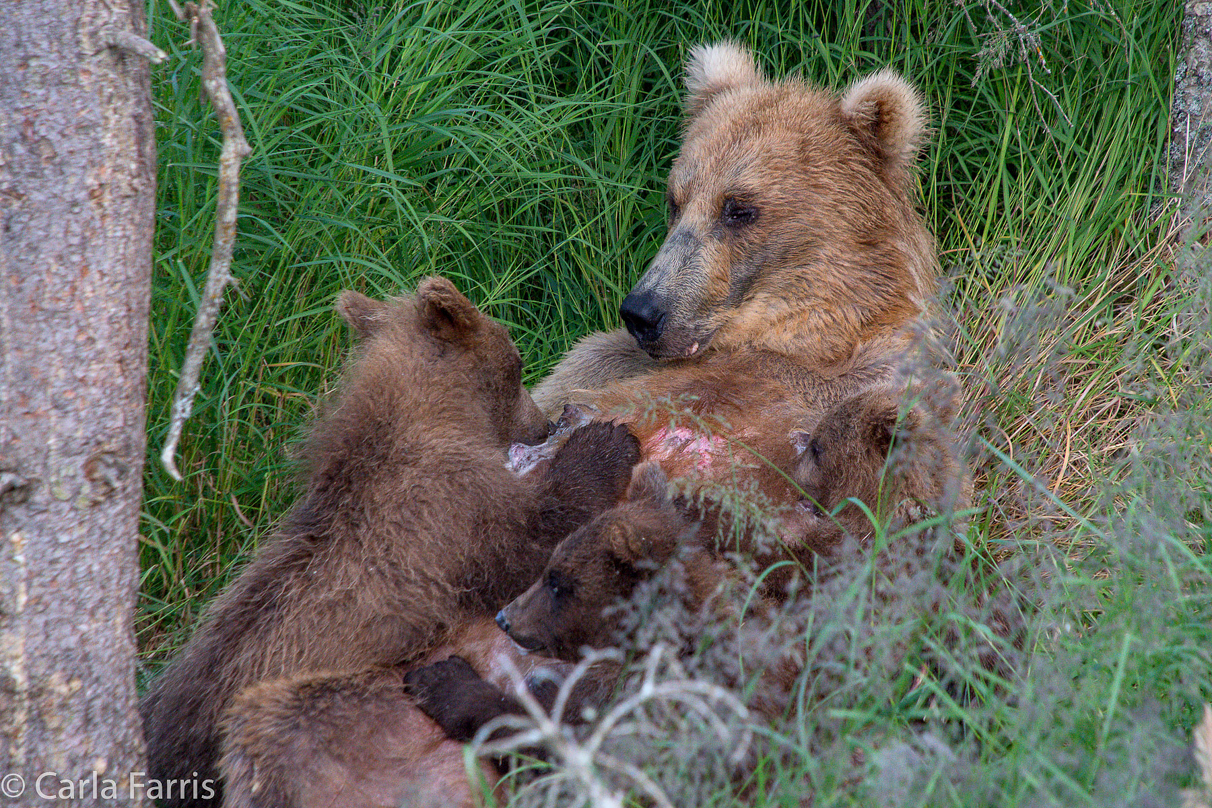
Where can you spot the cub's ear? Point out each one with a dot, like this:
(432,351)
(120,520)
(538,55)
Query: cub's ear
(362,313)
(445,312)
(648,484)
(888,115)
(884,421)
(800,440)
(625,543)
(942,398)
(712,69)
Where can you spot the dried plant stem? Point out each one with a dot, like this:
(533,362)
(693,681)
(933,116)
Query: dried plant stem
(235,148)
(583,760)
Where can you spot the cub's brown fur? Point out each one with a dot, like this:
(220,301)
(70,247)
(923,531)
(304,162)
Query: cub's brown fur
(408,525)
(592,570)
(898,458)
(358,740)
(792,232)
(307,743)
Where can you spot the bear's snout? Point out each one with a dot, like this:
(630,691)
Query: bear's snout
(643,316)
(515,621)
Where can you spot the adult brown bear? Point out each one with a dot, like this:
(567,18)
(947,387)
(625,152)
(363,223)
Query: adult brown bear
(795,273)
(794,246)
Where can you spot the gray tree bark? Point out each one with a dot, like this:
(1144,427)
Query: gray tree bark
(1191,120)
(77,188)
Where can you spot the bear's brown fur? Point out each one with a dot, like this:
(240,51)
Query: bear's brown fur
(358,740)
(408,525)
(792,232)
(727,421)
(340,741)
(595,568)
(896,456)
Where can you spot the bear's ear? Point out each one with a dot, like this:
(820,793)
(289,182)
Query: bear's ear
(648,484)
(445,312)
(625,543)
(630,544)
(363,314)
(884,421)
(714,68)
(800,440)
(942,397)
(888,114)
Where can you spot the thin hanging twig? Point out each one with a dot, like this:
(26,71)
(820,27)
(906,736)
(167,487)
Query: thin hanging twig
(214,82)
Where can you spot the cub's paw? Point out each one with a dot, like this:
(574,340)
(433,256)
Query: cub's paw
(456,698)
(598,457)
(433,680)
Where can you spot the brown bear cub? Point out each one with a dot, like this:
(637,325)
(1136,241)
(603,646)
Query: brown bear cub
(357,740)
(408,525)
(897,458)
(600,564)
(568,607)
(792,232)
(873,448)
(562,612)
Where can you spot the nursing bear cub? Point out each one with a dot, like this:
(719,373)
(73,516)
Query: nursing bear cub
(408,527)
(854,455)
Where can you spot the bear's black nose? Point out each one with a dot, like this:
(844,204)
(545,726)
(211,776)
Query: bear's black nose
(643,317)
(503,621)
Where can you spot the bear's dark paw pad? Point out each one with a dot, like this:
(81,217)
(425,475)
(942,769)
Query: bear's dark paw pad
(456,698)
(433,681)
(600,450)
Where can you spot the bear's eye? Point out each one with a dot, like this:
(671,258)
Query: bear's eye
(737,213)
(558,585)
(672,205)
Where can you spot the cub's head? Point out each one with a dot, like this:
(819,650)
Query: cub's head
(595,567)
(849,455)
(439,344)
(791,219)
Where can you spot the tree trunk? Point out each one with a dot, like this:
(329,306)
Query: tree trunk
(77,188)
(1191,121)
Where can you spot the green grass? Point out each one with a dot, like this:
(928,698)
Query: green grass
(521,149)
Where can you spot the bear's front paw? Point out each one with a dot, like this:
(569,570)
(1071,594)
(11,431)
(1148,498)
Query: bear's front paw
(431,681)
(598,455)
(456,698)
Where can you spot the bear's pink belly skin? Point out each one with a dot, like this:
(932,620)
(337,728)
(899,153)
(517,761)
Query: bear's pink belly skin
(683,451)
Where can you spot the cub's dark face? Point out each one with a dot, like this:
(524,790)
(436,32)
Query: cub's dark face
(593,569)
(562,611)
(846,454)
